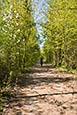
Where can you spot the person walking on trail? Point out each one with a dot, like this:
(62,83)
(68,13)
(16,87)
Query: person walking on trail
(41,61)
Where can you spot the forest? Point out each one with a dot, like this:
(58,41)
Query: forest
(60,47)
(20,41)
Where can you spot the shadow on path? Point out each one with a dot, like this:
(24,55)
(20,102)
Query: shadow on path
(24,82)
(40,75)
(38,90)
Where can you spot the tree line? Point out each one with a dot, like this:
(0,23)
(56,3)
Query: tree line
(60,32)
(18,40)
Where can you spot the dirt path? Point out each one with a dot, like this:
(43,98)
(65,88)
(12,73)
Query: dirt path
(46,91)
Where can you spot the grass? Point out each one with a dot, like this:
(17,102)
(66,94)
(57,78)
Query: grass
(64,69)
(1,106)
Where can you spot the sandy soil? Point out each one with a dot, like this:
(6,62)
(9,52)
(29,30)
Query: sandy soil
(45,91)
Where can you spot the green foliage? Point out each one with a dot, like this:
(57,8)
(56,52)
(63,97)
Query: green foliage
(60,47)
(1,105)
(1,109)
(18,41)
